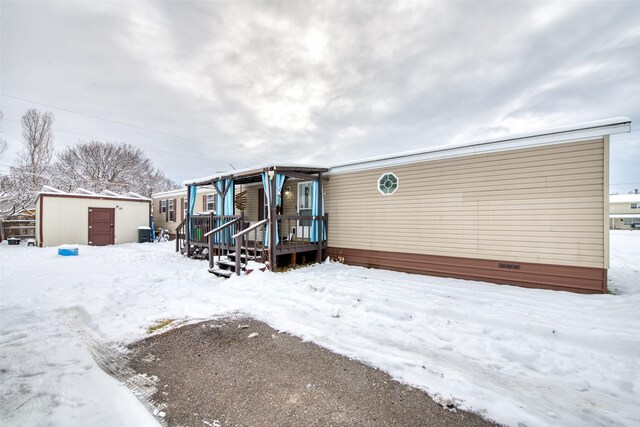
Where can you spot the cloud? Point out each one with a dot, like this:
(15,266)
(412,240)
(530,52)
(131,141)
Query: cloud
(321,82)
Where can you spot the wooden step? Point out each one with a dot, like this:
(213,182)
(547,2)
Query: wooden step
(252,249)
(221,273)
(232,255)
(230,264)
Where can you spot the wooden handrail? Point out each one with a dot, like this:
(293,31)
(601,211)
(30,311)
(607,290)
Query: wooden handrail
(247,230)
(239,238)
(222,227)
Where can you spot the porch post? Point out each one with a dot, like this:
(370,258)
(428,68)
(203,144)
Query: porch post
(272,222)
(320,223)
(187,229)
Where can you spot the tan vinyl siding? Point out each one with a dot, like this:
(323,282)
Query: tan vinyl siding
(539,205)
(251,211)
(624,208)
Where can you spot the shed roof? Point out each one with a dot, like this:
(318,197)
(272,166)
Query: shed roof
(81,192)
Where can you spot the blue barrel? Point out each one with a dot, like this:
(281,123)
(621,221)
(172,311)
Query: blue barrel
(68,251)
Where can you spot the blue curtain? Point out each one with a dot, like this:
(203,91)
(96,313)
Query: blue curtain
(279,183)
(229,205)
(267,187)
(229,209)
(192,199)
(224,207)
(314,213)
(192,203)
(219,209)
(219,190)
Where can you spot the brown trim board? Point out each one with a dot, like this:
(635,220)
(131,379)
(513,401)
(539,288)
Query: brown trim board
(530,275)
(41,242)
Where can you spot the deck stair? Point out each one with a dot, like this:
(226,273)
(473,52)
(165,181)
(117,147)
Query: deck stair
(224,267)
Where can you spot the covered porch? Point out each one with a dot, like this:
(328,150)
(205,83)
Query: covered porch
(259,214)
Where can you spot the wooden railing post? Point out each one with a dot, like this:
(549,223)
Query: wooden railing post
(210,251)
(319,222)
(212,225)
(272,223)
(238,254)
(188,223)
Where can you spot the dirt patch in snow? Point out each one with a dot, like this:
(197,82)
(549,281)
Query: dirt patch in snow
(220,373)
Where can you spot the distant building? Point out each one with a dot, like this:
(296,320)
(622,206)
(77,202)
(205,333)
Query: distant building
(624,212)
(170,207)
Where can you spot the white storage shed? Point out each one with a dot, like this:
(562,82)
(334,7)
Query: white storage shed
(83,217)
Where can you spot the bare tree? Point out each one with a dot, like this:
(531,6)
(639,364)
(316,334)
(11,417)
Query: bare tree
(32,170)
(98,166)
(34,161)
(3,142)
(155,183)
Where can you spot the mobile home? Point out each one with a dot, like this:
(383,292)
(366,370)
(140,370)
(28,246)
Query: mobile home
(529,210)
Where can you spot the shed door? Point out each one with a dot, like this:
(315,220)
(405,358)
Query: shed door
(101,226)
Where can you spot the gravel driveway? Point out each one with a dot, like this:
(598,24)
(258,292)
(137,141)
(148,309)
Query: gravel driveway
(220,373)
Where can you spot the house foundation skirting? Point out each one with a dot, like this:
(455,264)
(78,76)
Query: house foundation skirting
(531,275)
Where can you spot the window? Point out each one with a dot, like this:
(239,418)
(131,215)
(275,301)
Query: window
(163,206)
(185,206)
(172,211)
(211,202)
(388,184)
(634,205)
(305,203)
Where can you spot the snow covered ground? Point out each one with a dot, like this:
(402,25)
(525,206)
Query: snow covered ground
(517,355)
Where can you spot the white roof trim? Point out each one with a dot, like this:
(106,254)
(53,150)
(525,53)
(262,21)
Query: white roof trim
(169,193)
(624,198)
(204,189)
(109,193)
(579,132)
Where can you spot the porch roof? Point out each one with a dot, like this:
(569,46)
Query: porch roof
(254,174)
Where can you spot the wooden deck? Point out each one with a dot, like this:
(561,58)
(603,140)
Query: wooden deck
(221,243)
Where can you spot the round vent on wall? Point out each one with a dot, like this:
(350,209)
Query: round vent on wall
(388,183)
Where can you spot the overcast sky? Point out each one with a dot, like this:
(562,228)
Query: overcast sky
(204,84)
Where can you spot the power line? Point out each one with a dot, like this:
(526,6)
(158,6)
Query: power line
(207,144)
(140,145)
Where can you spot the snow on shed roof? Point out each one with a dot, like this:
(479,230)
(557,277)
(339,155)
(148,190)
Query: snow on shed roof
(84,192)
(81,192)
